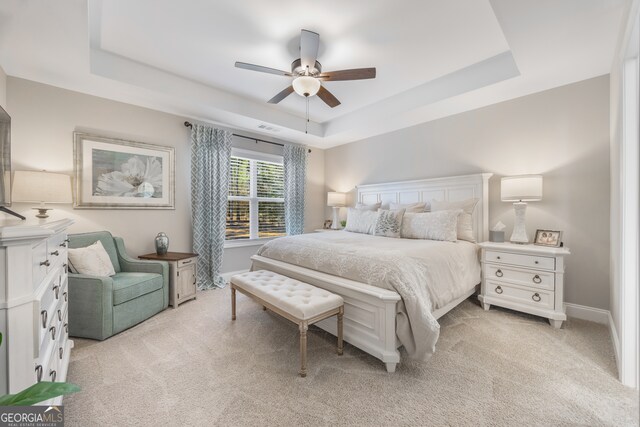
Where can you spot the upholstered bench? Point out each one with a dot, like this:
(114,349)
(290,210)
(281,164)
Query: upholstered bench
(292,299)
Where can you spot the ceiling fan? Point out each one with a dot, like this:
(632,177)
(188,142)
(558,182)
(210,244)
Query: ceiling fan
(308,75)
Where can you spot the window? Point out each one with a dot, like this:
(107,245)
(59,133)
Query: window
(255,208)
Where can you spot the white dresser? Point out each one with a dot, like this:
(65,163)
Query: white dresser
(33,303)
(526,278)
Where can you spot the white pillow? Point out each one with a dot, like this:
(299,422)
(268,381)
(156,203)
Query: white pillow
(409,207)
(92,260)
(374,207)
(465,221)
(361,221)
(389,223)
(441,225)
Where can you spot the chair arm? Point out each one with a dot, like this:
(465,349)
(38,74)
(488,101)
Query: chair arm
(128,264)
(90,306)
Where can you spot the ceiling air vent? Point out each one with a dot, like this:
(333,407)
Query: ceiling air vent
(268,128)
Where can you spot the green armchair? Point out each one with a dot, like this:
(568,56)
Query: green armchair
(100,307)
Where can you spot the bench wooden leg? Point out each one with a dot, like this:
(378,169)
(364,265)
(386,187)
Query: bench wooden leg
(233,303)
(340,328)
(303,348)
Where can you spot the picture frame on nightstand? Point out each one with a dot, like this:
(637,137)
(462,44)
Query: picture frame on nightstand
(549,238)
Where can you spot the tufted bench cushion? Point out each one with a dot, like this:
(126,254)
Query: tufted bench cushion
(292,299)
(297,298)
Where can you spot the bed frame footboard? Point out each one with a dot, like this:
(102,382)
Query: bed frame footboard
(369,312)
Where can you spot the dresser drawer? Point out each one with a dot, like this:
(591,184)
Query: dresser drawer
(188,261)
(534,278)
(533,261)
(530,297)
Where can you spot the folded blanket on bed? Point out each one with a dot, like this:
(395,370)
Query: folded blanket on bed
(427,274)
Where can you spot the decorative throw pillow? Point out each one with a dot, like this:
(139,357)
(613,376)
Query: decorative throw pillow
(389,223)
(373,207)
(361,221)
(465,221)
(92,260)
(441,225)
(409,207)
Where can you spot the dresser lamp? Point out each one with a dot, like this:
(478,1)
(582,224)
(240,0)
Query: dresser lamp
(520,190)
(41,187)
(336,201)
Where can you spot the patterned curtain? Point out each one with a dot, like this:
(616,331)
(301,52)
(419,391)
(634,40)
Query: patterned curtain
(295,172)
(210,166)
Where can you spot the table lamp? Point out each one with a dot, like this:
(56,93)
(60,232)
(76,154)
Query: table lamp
(336,200)
(519,190)
(41,187)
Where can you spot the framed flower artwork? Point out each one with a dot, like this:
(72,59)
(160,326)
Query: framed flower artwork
(119,174)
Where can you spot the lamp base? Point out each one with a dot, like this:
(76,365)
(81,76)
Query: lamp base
(519,234)
(42,212)
(335,224)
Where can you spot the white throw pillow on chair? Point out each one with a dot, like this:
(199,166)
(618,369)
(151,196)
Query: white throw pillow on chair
(92,260)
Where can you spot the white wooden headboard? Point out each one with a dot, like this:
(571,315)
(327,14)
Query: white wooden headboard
(451,188)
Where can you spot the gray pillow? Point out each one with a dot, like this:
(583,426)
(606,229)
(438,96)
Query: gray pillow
(389,223)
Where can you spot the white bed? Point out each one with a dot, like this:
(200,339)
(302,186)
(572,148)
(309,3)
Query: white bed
(377,319)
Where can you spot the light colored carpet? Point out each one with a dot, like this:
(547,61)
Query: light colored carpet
(193,366)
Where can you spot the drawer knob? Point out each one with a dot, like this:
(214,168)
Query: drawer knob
(55,253)
(45,316)
(60,315)
(536,262)
(53,332)
(60,352)
(497,257)
(56,290)
(53,374)
(45,263)
(66,327)
(38,373)
(66,297)
(66,240)
(537,279)
(499,290)
(63,244)
(536,297)
(499,273)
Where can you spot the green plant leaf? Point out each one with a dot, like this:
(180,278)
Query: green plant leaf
(44,390)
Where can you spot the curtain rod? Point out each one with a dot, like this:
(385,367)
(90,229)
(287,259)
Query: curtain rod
(189,125)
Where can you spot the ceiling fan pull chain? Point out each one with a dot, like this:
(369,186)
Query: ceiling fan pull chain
(306,125)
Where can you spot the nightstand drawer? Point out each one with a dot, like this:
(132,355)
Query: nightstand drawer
(187,261)
(534,261)
(533,278)
(531,297)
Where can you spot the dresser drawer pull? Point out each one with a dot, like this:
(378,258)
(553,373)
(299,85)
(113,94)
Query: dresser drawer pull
(60,315)
(45,316)
(45,263)
(60,352)
(537,279)
(55,253)
(63,244)
(53,374)
(536,297)
(53,332)
(67,240)
(499,273)
(194,280)
(64,266)
(536,262)
(66,297)
(186,262)
(38,373)
(497,257)
(56,290)
(499,290)
(66,328)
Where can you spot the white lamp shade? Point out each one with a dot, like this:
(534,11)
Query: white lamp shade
(521,188)
(336,199)
(306,85)
(41,187)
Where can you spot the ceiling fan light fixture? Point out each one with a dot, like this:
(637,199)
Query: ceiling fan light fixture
(306,86)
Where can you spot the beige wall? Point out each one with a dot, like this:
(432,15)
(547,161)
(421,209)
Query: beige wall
(561,133)
(43,121)
(3,88)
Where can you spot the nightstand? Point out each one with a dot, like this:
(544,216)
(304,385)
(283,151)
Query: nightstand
(526,278)
(182,275)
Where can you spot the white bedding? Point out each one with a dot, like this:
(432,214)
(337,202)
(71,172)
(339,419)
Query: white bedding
(427,274)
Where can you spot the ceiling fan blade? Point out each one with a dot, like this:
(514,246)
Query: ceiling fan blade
(281,95)
(328,97)
(354,74)
(261,69)
(309,42)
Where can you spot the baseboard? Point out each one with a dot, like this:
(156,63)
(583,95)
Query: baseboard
(615,340)
(227,276)
(584,312)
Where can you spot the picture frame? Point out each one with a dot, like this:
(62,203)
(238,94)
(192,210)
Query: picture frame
(113,173)
(552,238)
(327,224)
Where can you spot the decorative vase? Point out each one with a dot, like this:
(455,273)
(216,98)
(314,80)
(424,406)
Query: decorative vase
(162,243)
